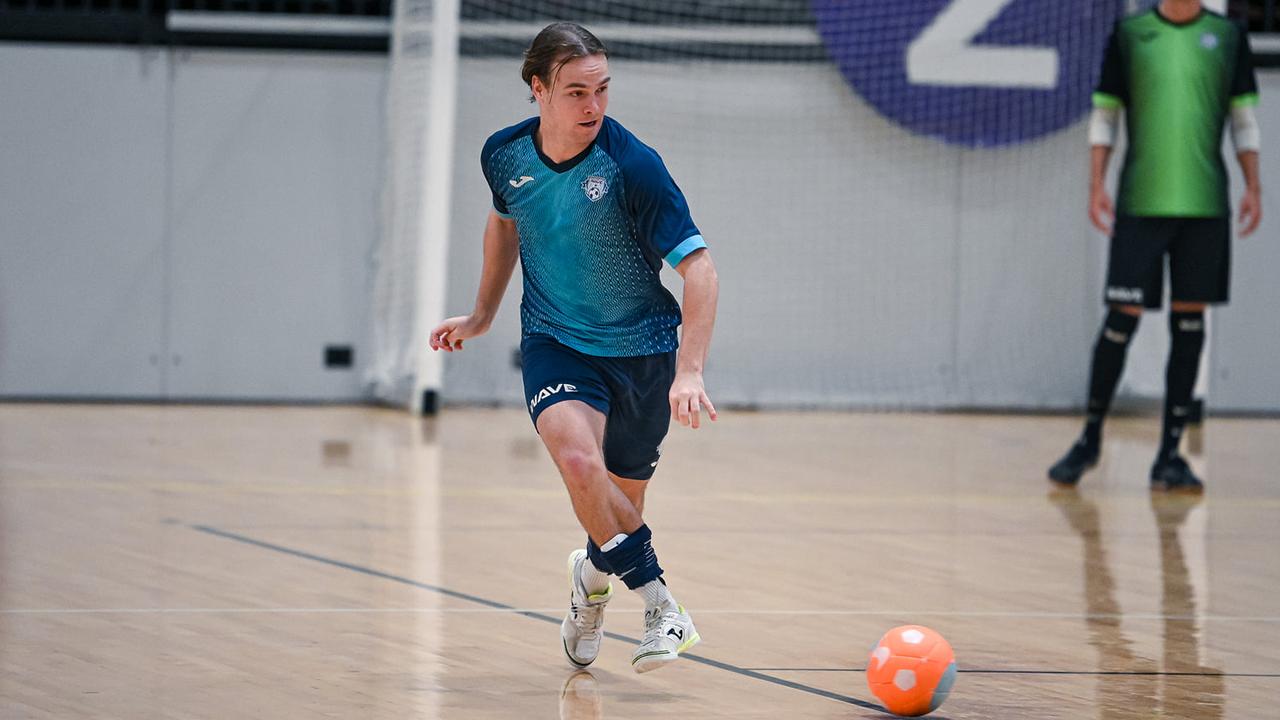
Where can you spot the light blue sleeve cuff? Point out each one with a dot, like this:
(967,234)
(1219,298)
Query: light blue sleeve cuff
(682,250)
(504,216)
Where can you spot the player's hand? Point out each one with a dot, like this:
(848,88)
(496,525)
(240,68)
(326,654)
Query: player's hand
(1101,212)
(1250,211)
(688,396)
(448,335)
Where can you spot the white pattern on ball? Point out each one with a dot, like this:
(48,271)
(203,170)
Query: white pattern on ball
(881,655)
(905,679)
(914,637)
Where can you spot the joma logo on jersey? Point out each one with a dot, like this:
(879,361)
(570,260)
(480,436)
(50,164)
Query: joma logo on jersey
(595,187)
(548,391)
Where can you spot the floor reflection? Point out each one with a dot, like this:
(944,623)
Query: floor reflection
(1201,689)
(1131,685)
(580,697)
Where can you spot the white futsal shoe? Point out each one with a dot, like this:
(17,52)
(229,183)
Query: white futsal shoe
(668,631)
(580,630)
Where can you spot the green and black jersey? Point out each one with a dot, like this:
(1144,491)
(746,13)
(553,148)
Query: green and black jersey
(1177,83)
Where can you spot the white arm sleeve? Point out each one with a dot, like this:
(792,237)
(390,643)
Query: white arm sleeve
(1244,129)
(1102,126)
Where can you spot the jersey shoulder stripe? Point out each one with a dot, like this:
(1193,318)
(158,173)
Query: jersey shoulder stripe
(505,137)
(492,147)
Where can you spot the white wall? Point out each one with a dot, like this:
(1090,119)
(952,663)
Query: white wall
(1245,352)
(201,225)
(82,236)
(185,225)
(275,192)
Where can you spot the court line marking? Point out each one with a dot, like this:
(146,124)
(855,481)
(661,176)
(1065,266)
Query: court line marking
(531,614)
(701,611)
(977,671)
(93,478)
(534,612)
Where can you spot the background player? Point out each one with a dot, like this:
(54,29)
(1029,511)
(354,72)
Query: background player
(1178,71)
(592,213)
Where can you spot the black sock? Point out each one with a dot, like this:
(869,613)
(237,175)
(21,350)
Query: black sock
(596,556)
(1186,341)
(1108,362)
(633,560)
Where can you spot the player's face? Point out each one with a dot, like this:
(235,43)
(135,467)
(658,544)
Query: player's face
(575,103)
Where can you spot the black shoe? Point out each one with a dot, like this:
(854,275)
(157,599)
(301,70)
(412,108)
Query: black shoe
(1078,460)
(1174,475)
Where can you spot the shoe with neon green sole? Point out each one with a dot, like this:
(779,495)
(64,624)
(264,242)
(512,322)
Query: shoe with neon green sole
(580,631)
(668,631)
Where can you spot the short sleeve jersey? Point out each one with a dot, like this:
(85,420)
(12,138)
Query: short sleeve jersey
(1177,83)
(594,232)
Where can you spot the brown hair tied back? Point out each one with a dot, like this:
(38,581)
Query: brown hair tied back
(553,47)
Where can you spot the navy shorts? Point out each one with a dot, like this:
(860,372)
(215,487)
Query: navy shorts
(1199,251)
(632,393)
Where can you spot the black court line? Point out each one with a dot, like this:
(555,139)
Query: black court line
(745,672)
(976,671)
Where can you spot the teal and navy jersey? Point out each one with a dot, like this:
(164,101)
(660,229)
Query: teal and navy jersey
(1177,83)
(594,231)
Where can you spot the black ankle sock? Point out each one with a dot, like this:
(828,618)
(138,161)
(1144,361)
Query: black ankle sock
(596,556)
(633,560)
(1186,341)
(1108,362)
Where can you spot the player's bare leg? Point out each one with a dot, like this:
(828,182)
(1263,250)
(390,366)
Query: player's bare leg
(633,489)
(669,631)
(574,435)
(608,509)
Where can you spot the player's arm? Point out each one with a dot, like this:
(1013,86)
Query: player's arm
(1251,203)
(665,227)
(701,293)
(1108,101)
(1246,136)
(501,249)
(1101,209)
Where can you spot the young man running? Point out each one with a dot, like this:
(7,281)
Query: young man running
(592,213)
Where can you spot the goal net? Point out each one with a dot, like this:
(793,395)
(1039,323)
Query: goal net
(894,193)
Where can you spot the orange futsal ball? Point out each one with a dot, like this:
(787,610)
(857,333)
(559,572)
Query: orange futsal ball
(911,670)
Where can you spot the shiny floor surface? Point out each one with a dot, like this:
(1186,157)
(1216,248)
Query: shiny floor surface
(236,562)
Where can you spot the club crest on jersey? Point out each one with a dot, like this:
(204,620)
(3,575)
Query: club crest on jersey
(595,187)
(1208,41)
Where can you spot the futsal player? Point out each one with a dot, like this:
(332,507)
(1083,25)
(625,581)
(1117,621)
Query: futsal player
(1180,73)
(592,214)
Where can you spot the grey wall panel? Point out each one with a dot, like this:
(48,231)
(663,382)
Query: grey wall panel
(1025,310)
(82,182)
(490,96)
(1245,354)
(277,161)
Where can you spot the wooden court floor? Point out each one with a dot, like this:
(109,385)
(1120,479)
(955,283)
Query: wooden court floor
(238,562)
